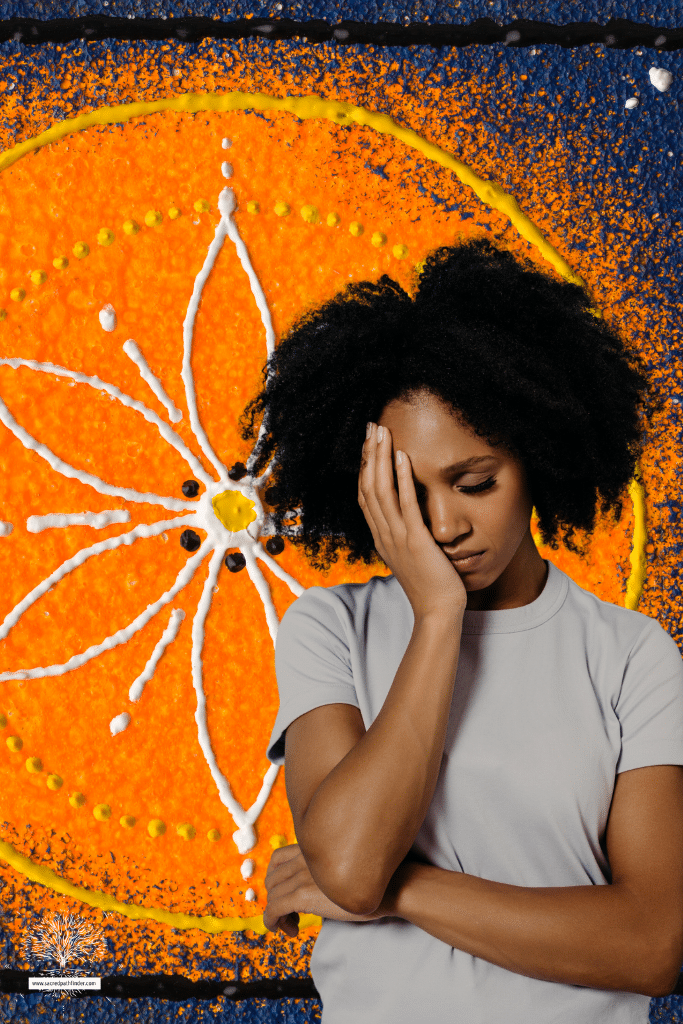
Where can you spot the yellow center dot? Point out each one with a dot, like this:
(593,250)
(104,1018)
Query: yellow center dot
(234,510)
(281,209)
(213,834)
(400,251)
(38,276)
(102,812)
(17,294)
(34,765)
(81,250)
(333,219)
(131,227)
(153,218)
(378,239)
(54,782)
(105,236)
(156,827)
(356,228)
(202,206)
(309,214)
(15,743)
(128,821)
(174,213)
(253,206)
(60,263)
(77,799)
(186,831)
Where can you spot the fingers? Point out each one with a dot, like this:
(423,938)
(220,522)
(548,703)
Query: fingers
(376,492)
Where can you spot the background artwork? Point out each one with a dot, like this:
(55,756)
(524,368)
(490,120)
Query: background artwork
(167,209)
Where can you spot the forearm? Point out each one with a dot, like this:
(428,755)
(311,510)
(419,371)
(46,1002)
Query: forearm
(364,817)
(589,935)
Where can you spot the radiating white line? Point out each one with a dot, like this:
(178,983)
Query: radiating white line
(123,635)
(57,520)
(166,432)
(5,528)
(268,783)
(167,637)
(82,556)
(293,584)
(261,584)
(172,504)
(133,352)
(188,333)
(267,472)
(222,784)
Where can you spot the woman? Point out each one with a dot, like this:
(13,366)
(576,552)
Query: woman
(482,759)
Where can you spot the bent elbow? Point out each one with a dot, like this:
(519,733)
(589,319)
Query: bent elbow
(343,887)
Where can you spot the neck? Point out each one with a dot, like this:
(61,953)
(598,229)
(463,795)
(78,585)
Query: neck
(520,583)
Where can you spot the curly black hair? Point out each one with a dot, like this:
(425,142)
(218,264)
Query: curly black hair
(519,356)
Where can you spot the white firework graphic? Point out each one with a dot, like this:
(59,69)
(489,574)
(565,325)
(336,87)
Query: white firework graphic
(64,945)
(230,512)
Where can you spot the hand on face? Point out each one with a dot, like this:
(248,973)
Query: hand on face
(431,583)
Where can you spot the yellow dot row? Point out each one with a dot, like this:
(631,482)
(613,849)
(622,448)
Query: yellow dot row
(102,812)
(311,215)
(105,237)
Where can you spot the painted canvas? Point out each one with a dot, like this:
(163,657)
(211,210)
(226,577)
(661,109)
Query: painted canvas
(178,184)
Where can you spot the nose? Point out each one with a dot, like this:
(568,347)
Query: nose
(445,517)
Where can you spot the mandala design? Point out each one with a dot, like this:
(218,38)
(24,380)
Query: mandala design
(124,658)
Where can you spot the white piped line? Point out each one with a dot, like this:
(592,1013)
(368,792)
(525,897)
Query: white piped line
(119,723)
(54,520)
(166,432)
(5,528)
(188,333)
(107,316)
(261,584)
(123,635)
(133,352)
(78,559)
(167,637)
(278,571)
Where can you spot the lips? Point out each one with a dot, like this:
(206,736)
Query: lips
(465,562)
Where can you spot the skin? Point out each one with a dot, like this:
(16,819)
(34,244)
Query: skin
(419,511)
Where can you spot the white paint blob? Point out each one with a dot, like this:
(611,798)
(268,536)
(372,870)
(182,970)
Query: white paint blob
(56,520)
(250,895)
(661,79)
(107,317)
(226,143)
(247,868)
(5,528)
(631,103)
(133,352)
(119,723)
(226,169)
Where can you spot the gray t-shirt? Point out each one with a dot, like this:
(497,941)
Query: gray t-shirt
(551,702)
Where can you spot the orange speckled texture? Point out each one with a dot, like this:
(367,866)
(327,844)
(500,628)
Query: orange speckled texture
(99,178)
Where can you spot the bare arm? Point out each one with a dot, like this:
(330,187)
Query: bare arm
(358,807)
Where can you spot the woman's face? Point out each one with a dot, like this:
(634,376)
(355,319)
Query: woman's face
(474,500)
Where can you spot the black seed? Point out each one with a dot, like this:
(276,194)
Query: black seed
(237,471)
(190,540)
(236,561)
(275,545)
(190,488)
(272,495)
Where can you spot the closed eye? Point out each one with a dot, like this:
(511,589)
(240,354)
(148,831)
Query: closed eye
(475,488)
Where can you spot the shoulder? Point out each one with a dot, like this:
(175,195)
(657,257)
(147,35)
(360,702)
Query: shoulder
(345,602)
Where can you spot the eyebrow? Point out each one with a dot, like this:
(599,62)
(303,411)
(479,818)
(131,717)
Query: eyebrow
(468,463)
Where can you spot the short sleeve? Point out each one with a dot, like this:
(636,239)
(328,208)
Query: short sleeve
(650,705)
(312,662)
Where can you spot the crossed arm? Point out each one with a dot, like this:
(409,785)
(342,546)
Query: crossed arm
(358,799)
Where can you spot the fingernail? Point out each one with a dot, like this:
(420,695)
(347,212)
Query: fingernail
(399,457)
(368,430)
(380,434)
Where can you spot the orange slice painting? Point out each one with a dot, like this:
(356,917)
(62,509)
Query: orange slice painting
(152,257)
